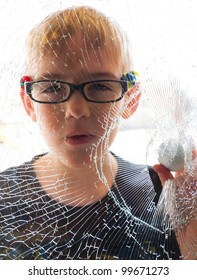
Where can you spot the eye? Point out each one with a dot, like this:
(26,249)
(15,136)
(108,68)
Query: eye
(51,87)
(101,86)
(50,91)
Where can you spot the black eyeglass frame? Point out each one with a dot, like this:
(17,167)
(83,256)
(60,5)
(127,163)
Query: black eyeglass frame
(73,87)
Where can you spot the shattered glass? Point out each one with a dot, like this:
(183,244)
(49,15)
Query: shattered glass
(76,180)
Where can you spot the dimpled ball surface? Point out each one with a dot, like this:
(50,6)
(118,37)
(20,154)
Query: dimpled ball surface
(171,155)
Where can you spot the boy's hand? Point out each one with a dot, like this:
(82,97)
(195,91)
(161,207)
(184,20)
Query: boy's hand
(180,191)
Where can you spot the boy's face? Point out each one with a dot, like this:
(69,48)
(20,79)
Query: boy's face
(77,131)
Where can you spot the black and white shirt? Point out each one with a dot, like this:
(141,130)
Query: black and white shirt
(123,225)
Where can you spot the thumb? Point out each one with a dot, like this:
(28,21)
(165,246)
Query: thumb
(163,173)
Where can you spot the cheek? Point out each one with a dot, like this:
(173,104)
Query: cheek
(110,114)
(108,117)
(49,118)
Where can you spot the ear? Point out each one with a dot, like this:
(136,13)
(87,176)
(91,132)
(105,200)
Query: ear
(28,105)
(134,95)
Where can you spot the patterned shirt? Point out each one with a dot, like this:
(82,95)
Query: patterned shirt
(125,224)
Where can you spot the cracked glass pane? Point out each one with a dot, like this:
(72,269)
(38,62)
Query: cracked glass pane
(87,143)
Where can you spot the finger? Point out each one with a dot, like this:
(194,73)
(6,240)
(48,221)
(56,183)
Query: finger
(163,173)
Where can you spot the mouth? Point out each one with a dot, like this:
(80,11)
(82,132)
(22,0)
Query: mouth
(79,139)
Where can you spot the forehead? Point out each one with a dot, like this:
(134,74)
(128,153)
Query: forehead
(73,37)
(77,61)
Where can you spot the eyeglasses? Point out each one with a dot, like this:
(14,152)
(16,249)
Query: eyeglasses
(54,92)
(98,91)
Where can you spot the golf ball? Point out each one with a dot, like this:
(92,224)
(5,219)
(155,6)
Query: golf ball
(171,154)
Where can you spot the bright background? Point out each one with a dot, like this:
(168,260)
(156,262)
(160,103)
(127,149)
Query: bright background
(164,44)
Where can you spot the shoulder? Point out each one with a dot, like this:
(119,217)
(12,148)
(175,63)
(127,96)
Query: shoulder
(14,182)
(139,173)
(15,173)
(19,173)
(139,179)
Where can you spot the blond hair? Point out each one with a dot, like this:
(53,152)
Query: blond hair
(94,27)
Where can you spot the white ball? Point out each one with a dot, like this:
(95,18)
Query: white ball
(171,154)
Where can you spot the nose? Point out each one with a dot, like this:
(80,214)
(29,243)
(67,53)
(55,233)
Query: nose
(77,107)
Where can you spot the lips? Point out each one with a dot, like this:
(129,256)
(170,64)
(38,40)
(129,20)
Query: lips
(78,139)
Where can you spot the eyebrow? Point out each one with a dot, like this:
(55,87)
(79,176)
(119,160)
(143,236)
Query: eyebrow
(103,74)
(92,76)
(50,76)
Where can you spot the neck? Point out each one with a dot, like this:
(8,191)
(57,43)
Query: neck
(76,187)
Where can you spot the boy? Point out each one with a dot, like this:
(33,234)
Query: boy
(79,200)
